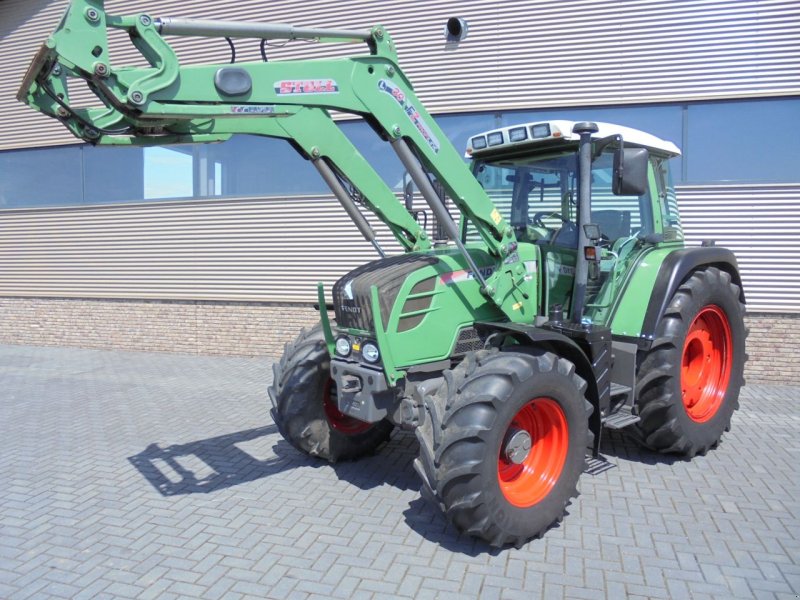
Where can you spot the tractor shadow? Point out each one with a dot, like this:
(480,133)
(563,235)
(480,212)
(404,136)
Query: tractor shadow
(622,445)
(208,465)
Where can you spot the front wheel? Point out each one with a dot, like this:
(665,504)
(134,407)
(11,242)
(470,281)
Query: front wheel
(688,383)
(503,443)
(305,409)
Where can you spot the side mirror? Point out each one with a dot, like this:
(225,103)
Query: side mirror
(630,171)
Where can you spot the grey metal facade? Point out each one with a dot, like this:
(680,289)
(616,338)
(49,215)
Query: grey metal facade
(517,55)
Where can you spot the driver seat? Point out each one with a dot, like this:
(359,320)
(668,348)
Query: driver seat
(567,236)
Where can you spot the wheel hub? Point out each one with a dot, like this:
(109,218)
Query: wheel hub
(533,452)
(706,364)
(517,446)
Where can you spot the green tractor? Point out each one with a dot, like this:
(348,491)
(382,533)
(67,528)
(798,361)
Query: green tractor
(563,302)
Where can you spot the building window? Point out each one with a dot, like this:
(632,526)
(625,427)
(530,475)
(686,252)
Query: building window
(747,141)
(743,141)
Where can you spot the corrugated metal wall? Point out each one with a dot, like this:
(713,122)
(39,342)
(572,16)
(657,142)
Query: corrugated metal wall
(523,54)
(761,223)
(243,249)
(518,54)
(277,249)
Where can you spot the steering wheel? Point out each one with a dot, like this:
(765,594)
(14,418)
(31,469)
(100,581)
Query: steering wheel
(537,218)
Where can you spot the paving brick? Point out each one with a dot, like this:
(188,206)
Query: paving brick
(162,476)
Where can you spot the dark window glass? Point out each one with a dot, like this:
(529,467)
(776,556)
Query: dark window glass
(744,141)
(41,177)
(249,165)
(459,128)
(379,153)
(727,141)
(376,151)
(113,174)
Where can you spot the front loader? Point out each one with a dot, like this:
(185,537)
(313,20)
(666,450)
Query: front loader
(565,301)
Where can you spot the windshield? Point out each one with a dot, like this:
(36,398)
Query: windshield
(538,196)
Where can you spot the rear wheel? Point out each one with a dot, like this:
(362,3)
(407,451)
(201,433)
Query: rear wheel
(305,409)
(688,383)
(503,443)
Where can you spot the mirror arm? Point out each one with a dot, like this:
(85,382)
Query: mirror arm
(603,143)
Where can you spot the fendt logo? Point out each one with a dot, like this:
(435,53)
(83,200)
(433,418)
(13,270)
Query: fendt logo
(306,86)
(464,275)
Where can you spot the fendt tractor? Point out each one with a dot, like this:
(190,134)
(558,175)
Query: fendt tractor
(563,302)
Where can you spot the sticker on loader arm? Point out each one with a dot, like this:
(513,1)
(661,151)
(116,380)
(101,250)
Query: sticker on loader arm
(412,113)
(302,87)
(253,109)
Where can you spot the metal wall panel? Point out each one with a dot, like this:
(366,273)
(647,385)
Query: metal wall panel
(520,54)
(523,54)
(244,249)
(277,249)
(761,223)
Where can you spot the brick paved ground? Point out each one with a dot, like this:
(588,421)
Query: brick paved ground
(162,476)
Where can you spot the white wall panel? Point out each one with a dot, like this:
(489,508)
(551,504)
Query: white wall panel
(277,249)
(244,249)
(761,224)
(519,54)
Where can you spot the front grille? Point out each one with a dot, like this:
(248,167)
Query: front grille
(352,298)
(468,341)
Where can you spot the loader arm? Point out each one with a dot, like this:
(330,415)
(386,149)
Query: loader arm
(167,102)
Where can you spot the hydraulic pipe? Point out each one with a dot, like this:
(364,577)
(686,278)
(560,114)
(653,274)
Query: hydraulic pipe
(425,187)
(585,130)
(266,31)
(347,203)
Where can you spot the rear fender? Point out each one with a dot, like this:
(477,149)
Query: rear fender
(676,268)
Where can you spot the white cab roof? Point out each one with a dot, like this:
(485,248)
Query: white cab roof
(540,132)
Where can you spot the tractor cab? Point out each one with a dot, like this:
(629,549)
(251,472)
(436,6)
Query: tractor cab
(531,173)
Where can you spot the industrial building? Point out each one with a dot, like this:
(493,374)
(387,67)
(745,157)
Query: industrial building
(218,248)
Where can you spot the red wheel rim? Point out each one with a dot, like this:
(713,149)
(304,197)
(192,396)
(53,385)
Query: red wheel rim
(706,363)
(529,482)
(336,418)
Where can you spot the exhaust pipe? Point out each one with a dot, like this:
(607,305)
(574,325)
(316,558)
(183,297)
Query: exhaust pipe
(585,130)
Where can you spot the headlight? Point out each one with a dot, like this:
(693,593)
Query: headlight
(495,138)
(479,143)
(370,352)
(342,346)
(518,134)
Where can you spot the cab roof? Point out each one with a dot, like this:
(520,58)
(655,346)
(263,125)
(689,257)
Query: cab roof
(552,134)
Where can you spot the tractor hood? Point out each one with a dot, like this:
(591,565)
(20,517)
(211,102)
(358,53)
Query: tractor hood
(426,300)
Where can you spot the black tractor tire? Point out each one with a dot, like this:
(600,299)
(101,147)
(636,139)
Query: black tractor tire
(304,405)
(463,435)
(688,382)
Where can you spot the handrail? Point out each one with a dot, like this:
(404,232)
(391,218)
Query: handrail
(267,31)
